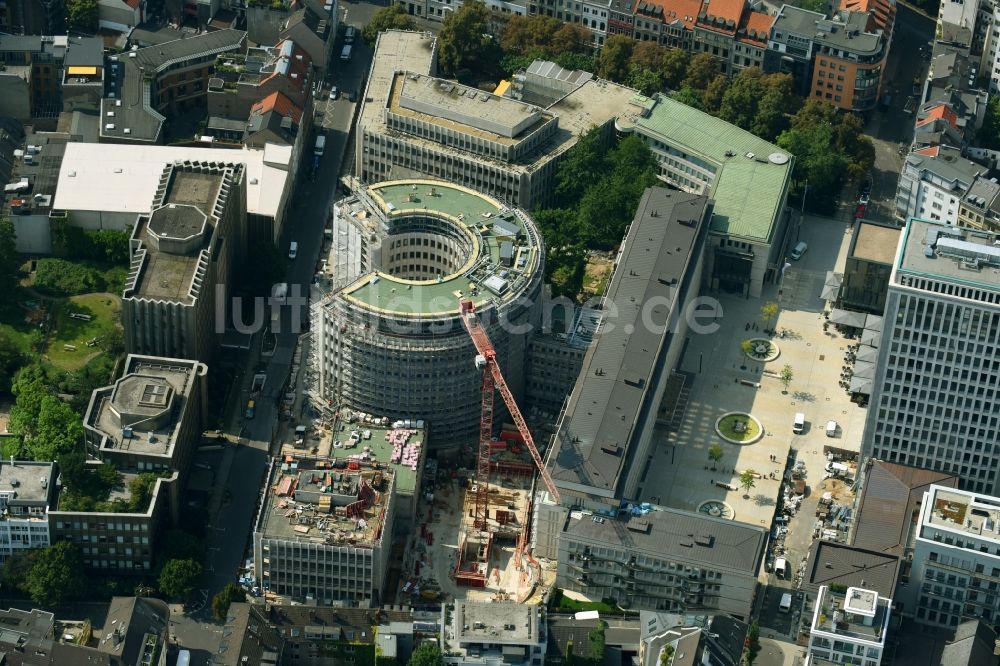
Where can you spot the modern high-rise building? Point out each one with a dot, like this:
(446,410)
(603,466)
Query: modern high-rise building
(935,399)
(181,253)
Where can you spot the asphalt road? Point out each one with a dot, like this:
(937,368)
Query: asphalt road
(892,128)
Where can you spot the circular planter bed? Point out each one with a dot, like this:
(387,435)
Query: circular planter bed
(761,349)
(716,509)
(739,428)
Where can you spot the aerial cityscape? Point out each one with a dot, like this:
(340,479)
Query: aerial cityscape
(520,332)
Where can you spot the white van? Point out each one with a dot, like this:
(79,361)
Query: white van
(799,424)
(345,54)
(799,250)
(780,567)
(293,250)
(831,428)
(785,604)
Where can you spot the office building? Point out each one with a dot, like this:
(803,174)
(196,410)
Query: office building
(555,356)
(151,418)
(413,251)
(702,639)
(147,85)
(869,263)
(956,559)
(147,425)
(668,559)
(839,60)
(665,559)
(475,632)
(135,633)
(746,177)
(850,627)
(324,532)
(413,123)
(33,17)
(37,70)
(979,207)
(248,639)
(934,398)
(609,418)
(974,644)
(933,182)
(182,254)
(26,494)
(239,81)
(105,186)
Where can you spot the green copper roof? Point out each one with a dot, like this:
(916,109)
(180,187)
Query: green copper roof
(476,213)
(749,192)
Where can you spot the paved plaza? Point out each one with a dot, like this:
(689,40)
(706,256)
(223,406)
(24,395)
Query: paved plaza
(723,379)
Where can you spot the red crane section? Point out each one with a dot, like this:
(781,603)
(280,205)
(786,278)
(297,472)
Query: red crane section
(489,357)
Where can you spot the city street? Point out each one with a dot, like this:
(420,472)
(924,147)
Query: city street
(892,128)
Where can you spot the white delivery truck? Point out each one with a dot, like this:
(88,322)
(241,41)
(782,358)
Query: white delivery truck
(785,604)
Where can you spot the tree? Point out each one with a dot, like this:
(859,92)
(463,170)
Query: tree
(59,430)
(715,453)
(225,598)
(711,97)
(427,654)
(739,103)
(753,642)
(597,643)
(748,480)
(55,574)
(82,14)
(688,95)
(830,148)
(988,135)
(465,43)
(393,17)
(10,360)
(613,60)
(667,655)
(569,39)
(524,34)
(10,266)
(787,374)
(768,312)
(29,388)
(647,55)
(177,544)
(179,577)
(674,67)
(701,69)
(646,81)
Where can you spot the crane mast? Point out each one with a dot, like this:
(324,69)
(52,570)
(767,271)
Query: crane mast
(493,379)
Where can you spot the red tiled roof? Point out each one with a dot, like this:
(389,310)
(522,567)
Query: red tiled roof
(940,112)
(298,64)
(883,11)
(757,23)
(685,11)
(279,103)
(134,4)
(930,151)
(727,10)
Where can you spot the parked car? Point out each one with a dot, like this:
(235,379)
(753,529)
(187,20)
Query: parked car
(860,211)
(334,93)
(864,199)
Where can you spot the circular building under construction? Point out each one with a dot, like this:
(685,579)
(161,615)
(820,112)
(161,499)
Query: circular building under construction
(389,339)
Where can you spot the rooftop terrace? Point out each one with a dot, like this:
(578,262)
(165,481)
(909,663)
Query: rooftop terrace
(313,500)
(964,513)
(856,613)
(478,622)
(378,442)
(485,222)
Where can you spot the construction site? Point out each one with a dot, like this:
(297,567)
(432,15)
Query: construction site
(324,531)
(481,517)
